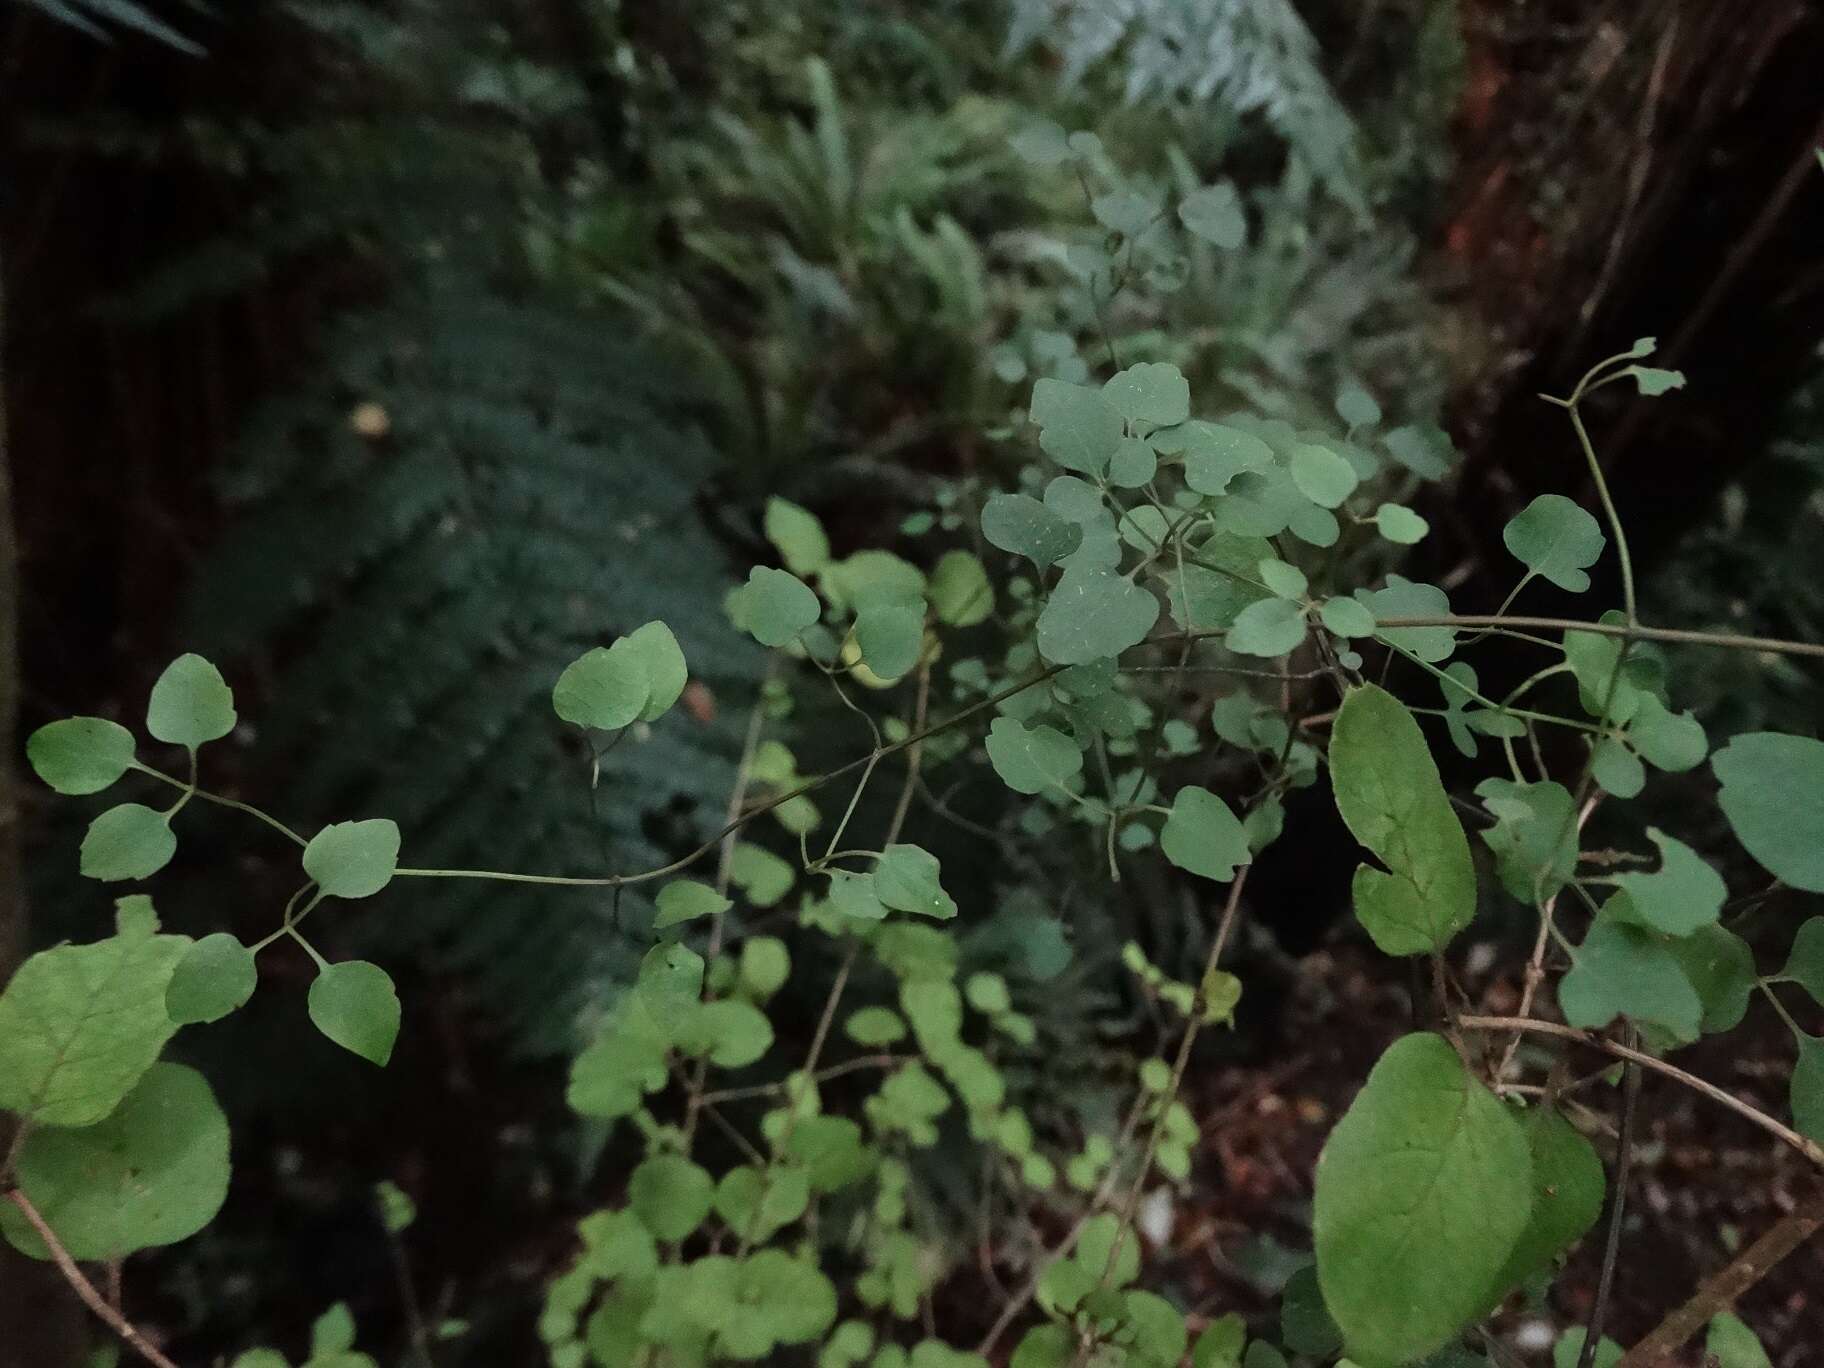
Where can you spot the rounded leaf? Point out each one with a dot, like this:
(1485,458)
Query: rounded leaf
(1773,796)
(1203,836)
(1321,475)
(681,900)
(353,1003)
(353,859)
(1032,759)
(1094,614)
(906,880)
(1556,538)
(215,977)
(1153,392)
(602,688)
(798,535)
(890,636)
(670,1195)
(153,1172)
(80,754)
(961,593)
(1400,524)
(191,703)
(776,606)
(660,661)
(1021,524)
(1078,427)
(1268,627)
(1422,1191)
(127,842)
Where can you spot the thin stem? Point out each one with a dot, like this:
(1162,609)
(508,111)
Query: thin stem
(82,1287)
(1615,528)
(1811,1149)
(1611,1252)
(221,801)
(1637,632)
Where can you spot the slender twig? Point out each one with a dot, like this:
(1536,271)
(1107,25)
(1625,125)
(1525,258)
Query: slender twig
(1811,1149)
(1720,1290)
(1618,1206)
(85,1289)
(1535,966)
(1638,632)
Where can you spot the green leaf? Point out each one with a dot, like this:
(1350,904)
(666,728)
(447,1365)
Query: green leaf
(1425,451)
(601,688)
(1268,627)
(1220,1344)
(1682,895)
(153,1172)
(1211,593)
(1214,454)
(797,535)
(734,1034)
(1567,1193)
(681,900)
(130,841)
(1287,581)
(670,1195)
(215,977)
(397,1210)
(1555,537)
(1042,143)
(1404,598)
(1214,214)
(961,594)
(875,1026)
(776,606)
(1422,1191)
(1344,617)
(1721,969)
(765,966)
(760,874)
(1773,796)
(1078,428)
(353,1003)
(1652,381)
(80,1024)
(1305,1323)
(333,1332)
(1808,1088)
(890,636)
(80,754)
(659,661)
(1153,392)
(1032,759)
(1134,464)
(1094,614)
(1390,796)
(1534,837)
(190,703)
(1321,475)
(1156,1327)
(1618,769)
(353,859)
(1203,836)
(1621,970)
(756,1205)
(1674,742)
(1805,964)
(852,895)
(1400,525)
(1356,407)
(1568,1352)
(906,880)
(1022,525)
(1731,1344)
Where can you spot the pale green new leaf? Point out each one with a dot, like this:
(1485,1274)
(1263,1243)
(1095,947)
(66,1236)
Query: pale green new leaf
(682,900)
(1731,1344)
(1390,796)
(659,661)
(601,688)
(671,1195)
(961,593)
(1400,524)
(797,535)
(776,605)
(1423,1190)
(80,1024)
(890,636)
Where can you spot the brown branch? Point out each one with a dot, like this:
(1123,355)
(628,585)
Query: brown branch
(83,1288)
(1809,1148)
(1720,1290)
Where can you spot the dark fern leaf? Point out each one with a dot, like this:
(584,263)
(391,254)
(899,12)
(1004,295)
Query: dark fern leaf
(421,587)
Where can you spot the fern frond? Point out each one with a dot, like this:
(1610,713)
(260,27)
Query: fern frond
(532,496)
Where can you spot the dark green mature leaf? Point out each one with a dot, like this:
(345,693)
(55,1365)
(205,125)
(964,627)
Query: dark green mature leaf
(1220,1344)
(216,976)
(1021,524)
(153,1172)
(1556,538)
(601,689)
(1534,837)
(1402,598)
(1673,742)
(1214,453)
(1808,1088)
(1390,796)
(1321,475)
(1203,836)
(1568,1187)
(1805,963)
(353,859)
(1268,627)
(191,703)
(80,754)
(1153,392)
(1622,970)
(890,636)
(1078,427)
(130,841)
(1423,1190)
(353,1003)
(797,535)
(1094,614)
(1720,966)
(1682,895)
(1773,796)
(81,1024)
(1305,1323)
